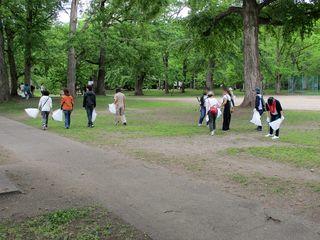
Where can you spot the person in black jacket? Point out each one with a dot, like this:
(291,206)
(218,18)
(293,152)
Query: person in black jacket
(275,112)
(202,101)
(89,103)
(259,105)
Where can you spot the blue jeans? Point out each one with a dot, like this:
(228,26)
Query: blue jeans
(67,118)
(202,114)
(89,115)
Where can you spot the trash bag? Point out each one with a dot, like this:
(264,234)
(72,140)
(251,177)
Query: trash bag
(57,115)
(275,125)
(219,113)
(256,118)
(32,112)
(94,115)
(112,108)
(123,119)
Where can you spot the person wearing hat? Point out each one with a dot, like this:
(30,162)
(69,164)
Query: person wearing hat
(212,106)
(275,112)
(259,105)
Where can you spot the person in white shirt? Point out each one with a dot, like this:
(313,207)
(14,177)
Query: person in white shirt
(212,106)
(45,106)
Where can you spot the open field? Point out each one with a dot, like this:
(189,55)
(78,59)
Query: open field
(242,162)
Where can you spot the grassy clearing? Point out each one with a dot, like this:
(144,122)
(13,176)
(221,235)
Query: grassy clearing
(81,224)
(148,118)
(272,185)
(300,157)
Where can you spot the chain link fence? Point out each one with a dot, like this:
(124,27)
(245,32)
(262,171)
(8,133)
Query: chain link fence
(303,84)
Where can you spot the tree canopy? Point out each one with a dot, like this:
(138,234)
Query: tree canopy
(161,44)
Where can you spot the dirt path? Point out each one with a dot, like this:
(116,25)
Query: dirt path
(288,102)
(165,205)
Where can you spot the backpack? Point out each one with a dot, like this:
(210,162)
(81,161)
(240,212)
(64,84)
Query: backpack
(213,110)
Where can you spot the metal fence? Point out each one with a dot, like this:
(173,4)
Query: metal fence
(303,84)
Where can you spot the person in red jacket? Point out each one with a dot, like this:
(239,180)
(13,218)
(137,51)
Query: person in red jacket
(67,104)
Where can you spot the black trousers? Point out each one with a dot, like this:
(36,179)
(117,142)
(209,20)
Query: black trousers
(274,118)
(260,112)
(226,119)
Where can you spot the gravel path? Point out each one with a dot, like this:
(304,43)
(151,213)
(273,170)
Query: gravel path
(288,102)
(153,199)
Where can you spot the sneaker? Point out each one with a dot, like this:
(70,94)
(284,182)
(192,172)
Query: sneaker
(43,127)
(91,126)
(125,124)
(212,133)
(199,125)
(268,135)
(275,137)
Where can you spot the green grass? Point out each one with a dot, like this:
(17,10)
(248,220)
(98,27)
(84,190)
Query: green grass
(298,156)
(82,224)
(272,185)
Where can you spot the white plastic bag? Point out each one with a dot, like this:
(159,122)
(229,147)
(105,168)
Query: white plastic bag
(112,108)
(275,125)
(57,115)
(32,112)
(219,113)
(94,115)
(256,118)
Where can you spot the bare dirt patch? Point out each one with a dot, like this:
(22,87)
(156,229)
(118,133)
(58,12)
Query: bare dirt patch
(6,156)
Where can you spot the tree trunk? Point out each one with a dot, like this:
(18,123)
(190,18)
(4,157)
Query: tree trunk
(12,62)
(4,81)
(278,83)
(139,84)
(209,79)
(28,44)
(100,90)
(184,73)
(252,75)
(72,61)
(166,72)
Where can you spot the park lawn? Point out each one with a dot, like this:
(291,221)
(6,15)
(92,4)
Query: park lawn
(91,223)
(147,118)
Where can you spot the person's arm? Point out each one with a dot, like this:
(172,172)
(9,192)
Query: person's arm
(50,103)
(124,103)
(224,102)
(84,100)
(257,103)
(94,101)
(40,104)
(279,108)
(61,103)
(72,102)
(115,99)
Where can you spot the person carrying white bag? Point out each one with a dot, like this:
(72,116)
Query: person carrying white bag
(120,103)
(275,113)
(45,106)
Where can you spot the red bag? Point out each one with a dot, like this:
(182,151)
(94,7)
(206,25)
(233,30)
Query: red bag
(214,110)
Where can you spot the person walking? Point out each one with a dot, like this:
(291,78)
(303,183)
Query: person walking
(120,103)
(212,105)
(89,103)
(45,106)
(259,105)
(227,109)
(275,112)
(202,102)
(67,105)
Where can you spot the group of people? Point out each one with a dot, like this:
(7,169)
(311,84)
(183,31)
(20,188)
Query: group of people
(211,109)
(89,104)
(26,90)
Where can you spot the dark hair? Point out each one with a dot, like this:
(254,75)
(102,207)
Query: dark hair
(89,87)
(270,100)
(224,88)
(118,90)
(66,92)
(45,93)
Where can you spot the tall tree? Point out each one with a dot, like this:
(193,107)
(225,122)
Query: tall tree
(10,34)
(72,61)
(294,14)
(4,81)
